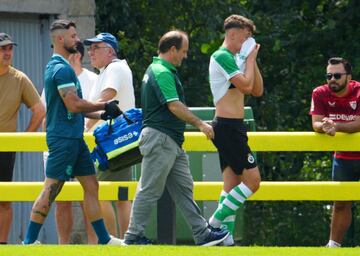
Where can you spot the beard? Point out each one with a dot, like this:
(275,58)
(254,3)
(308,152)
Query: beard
(70,50)
(336,87)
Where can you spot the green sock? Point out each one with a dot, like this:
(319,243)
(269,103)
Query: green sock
(223,211)
(229,222)
(230,204)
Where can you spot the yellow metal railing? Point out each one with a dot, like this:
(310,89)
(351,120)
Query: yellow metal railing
(195,141)
(203,191)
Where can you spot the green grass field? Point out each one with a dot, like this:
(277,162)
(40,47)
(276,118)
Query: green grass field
(152,250)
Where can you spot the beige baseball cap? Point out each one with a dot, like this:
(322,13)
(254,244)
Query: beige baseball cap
(5,39)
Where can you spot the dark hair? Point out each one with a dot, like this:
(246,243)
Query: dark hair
(80,48)
(62,24)
(339,60)
(171,38)
(238,21)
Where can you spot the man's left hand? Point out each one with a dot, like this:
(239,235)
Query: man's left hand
(207,130)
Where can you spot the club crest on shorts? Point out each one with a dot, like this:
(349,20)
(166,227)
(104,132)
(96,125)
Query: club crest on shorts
(68,170)
(251,159)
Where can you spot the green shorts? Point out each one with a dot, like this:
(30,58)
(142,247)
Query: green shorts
(68,158)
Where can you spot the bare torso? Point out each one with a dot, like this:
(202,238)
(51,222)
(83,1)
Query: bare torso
(231,105)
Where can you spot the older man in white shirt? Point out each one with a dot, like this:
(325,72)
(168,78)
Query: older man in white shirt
(115,82)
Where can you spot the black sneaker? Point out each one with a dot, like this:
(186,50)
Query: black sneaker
(228,241)
(213,229)
(140,240)
(214,238)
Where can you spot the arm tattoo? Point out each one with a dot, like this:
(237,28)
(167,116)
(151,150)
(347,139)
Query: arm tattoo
(67,90)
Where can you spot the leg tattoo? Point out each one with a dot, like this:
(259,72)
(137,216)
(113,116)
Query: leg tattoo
(53,190)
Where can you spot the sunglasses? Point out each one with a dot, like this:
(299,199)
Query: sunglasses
(337,76)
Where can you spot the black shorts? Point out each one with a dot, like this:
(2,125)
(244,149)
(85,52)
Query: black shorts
(7,161)
(231,142)
(345,169)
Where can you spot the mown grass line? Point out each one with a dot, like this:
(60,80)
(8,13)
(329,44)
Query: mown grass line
(88,250)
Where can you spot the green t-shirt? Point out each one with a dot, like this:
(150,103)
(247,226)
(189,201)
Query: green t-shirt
(161,85)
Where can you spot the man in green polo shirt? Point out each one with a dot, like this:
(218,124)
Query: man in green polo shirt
(164,161)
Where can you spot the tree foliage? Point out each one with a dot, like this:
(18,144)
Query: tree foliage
(297,37)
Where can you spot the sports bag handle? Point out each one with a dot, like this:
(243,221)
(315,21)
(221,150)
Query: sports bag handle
(128,120)
(110,130)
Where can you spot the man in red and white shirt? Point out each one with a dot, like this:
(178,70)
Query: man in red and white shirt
(335,107)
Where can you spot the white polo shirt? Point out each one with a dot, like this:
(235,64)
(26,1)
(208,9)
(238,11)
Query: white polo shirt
(87,81)
(118,76)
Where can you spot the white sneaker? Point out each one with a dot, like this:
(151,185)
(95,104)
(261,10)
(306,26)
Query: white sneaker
(115,241)
(333,244)
(37,242)
(229,241)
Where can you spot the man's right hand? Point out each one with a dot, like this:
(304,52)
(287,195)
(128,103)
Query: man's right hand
(328,126)
(253,54)
(111,110)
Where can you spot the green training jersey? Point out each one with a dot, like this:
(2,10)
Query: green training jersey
(160,85)
(59,121)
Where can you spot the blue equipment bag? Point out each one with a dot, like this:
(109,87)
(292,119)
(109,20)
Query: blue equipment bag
(117,144)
